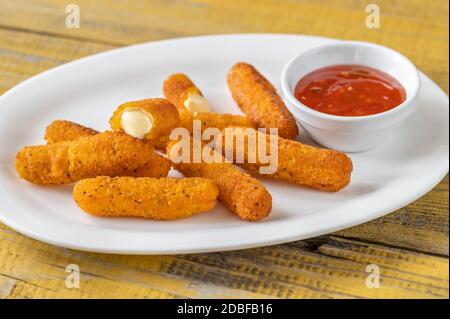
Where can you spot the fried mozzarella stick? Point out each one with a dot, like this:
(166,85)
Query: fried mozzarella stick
(324,169)
(182,92)
(215,120)
(65,131)
(163,198)
(191,104)
(239,192)
(108,153)
(259,101)
(150,119)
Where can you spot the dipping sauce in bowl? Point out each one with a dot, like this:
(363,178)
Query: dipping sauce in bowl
(349,90)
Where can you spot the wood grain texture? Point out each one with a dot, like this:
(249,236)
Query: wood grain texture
(417,29)
(25,54)
(410,245)
(325,267)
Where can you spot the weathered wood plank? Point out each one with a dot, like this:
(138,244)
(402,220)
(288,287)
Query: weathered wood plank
(25,54)
(416,29)
(319,268)
(29,268)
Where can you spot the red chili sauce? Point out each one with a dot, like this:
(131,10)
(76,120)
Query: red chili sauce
(349,90)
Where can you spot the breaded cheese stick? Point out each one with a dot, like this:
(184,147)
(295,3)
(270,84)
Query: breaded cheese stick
(108,153)
(182,92)
(163,198)
(259,101)
(148,119)
(65,131)
(239,192)
(324,169)
(191,105)
(215,120)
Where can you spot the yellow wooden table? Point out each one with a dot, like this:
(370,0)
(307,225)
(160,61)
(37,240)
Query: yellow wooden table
(410,246)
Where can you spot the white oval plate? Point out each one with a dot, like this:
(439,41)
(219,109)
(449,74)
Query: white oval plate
(86,91)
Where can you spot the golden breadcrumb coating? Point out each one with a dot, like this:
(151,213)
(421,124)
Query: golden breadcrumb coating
(238,191)
(108,153)
(259,101)
(161,143)
(215,120)
(163,198)
(178,87)
(164,116)
(65,131)
(324,169)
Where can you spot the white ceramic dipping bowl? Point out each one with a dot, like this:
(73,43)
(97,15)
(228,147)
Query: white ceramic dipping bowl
(350,133)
